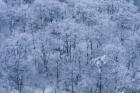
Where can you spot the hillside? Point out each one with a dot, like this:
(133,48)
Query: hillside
(69,46)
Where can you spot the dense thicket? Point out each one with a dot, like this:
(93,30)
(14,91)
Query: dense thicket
(69,46)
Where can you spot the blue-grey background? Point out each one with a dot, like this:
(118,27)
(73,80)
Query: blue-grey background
(69,46)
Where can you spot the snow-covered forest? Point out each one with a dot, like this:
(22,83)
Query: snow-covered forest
(69,46)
